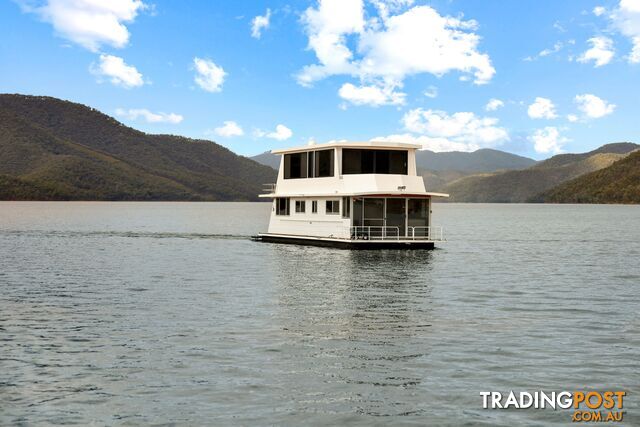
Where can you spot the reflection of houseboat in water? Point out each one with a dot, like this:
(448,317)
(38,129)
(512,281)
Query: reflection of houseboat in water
(352,195)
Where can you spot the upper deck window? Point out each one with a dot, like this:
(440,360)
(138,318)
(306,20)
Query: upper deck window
(359,161)
(295,165)
(312,164)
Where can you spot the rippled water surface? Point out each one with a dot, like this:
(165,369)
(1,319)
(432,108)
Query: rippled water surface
(141,313)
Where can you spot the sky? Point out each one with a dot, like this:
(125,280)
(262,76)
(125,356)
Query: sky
(534,78)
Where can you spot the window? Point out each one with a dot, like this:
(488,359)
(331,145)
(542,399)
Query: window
(300,205)
(314,206)
(357,161)
(282,206)
(295,165)
(323,165)
(333,207)
(314,164)
(346,208)
(310,163)
(418,211)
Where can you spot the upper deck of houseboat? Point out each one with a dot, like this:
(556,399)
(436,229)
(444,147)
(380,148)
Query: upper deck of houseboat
(349,169)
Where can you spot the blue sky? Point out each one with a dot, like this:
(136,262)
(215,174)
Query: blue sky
(254,76)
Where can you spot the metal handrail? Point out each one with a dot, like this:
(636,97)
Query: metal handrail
(371,232)
(429,233)
(269,188)
(363,232)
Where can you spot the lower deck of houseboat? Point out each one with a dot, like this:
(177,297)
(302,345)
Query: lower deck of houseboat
(355,222)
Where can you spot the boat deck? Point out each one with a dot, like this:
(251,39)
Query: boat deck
(345,243)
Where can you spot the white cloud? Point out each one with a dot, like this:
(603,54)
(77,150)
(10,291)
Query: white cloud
(431,92)
(558,26)
(557,47)
(387,7)
(281,133)
(346,43)
(494,104)
(572,118)
(542,108)
(601,51)
(327,28)
(209,76)
(150,117)
(548,140)
(117,71)
(371,95)
(439,131)
(592,106)
(626,19)
(430,43)
(427,142)
(89,23)
(229,129)
(599,10)
(634,56)
(260,23)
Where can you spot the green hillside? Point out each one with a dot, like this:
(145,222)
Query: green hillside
(618,183)
(58,150)
(525,185)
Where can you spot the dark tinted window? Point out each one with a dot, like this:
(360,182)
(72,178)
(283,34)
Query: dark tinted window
(356,161)
(346,207)
(282,206)
(311,161)
(295,165)
(418,211)
(332,207)
(314,164)
(323,163)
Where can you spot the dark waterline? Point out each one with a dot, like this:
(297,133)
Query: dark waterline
(139,313)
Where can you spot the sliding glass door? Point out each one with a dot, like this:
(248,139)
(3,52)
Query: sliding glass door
(408,215)
(396,217)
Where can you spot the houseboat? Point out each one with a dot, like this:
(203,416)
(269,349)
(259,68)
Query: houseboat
(351,195)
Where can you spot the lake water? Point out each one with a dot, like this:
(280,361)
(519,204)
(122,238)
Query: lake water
(145,313)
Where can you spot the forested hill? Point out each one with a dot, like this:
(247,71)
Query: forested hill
(618,183)
(52,149)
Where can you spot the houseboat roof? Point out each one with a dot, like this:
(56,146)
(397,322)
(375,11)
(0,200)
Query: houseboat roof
(348,144)
(397,193)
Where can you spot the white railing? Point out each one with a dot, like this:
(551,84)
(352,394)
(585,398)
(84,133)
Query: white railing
(370,232)
(365,232)
(269,188)
(425,233)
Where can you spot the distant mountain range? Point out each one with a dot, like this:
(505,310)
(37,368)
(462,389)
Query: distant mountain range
(535,183)
(267,159)
(58,150)
(483,160)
